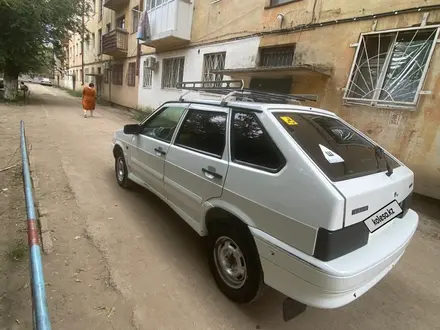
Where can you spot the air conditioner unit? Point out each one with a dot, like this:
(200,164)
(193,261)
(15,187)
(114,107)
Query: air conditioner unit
(151,63)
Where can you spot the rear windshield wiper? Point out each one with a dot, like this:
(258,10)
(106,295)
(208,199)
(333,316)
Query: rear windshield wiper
(380,154)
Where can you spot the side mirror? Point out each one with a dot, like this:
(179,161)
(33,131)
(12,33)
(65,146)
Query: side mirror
(132,129)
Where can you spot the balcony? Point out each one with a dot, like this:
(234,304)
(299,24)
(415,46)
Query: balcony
(170,24)
(116,5)
(115,43)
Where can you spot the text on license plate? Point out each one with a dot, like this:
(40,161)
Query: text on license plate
(383,216)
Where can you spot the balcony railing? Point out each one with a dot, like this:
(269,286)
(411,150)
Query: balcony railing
(116,5)
(115,43)
(170,24)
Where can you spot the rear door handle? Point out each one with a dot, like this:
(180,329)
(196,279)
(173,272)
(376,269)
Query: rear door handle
(210,174)
(159,151)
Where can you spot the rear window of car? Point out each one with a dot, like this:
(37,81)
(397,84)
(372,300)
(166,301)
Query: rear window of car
(339,151)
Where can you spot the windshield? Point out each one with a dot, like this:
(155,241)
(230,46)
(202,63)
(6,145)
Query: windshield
(337,149)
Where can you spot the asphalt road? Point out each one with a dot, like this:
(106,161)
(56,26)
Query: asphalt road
(157,262)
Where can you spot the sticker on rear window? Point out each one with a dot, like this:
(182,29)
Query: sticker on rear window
(331,156)
(289,121)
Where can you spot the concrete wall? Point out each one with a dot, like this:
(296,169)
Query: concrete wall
(213,21)
(239,54)
(219,20)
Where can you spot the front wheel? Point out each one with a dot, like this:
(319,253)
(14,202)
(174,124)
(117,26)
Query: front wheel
(121,171)
(234,262)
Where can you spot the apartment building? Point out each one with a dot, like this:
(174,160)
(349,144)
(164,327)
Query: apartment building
(109,55)
(375,63)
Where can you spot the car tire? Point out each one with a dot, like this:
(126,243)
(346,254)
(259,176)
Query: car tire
(231,243)
(121,170)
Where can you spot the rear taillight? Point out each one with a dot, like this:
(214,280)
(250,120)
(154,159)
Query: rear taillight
(334,244)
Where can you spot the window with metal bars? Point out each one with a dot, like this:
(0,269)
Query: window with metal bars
(117,74)
(172,71)
(277,56)
(148,76)
(131,74)
(151,4)
(390,67)
(213,62)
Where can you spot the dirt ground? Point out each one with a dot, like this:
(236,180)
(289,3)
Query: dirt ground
(124,260)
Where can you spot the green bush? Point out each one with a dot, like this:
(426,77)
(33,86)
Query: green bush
(74,93)
(71,92)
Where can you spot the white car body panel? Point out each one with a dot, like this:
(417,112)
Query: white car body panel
(285,210)
(338,282)
(377,191)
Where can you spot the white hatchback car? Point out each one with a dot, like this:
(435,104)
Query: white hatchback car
(288,195)
(46,82)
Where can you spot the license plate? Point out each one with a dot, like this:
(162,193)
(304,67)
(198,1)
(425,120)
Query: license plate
(383,216)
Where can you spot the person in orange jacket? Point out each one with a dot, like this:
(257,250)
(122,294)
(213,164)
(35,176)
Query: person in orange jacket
(89,99)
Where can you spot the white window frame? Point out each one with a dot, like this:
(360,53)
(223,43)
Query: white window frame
(375,102)
(153,4)
(147,79)
(165,75)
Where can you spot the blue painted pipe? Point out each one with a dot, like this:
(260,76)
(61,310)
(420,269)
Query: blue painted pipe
(39,301)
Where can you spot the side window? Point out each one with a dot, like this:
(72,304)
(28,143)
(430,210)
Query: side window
(163,125)
(252,145)
(203,131)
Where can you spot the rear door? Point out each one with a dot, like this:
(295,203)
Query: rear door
(376,195)
(196,163)
(371,181)
(150,147)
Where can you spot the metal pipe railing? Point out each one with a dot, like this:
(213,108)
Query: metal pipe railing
(39,303)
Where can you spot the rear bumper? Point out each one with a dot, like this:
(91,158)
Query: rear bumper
(337,282)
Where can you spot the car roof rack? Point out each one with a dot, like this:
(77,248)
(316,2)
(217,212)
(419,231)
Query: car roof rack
(235,88)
